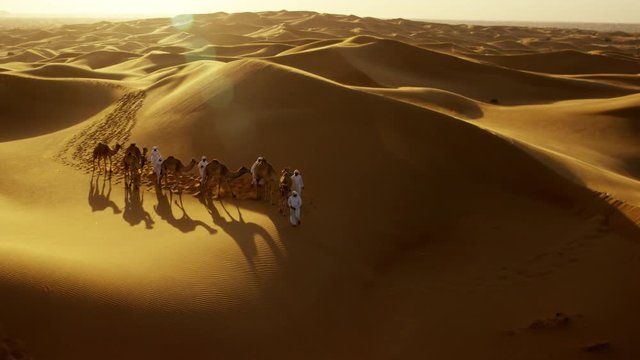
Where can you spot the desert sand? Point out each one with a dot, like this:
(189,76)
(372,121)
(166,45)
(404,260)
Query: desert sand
(472,192)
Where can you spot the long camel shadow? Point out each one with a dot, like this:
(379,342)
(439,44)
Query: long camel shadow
(134,212)
(165,211)
(98,200)
(243,233)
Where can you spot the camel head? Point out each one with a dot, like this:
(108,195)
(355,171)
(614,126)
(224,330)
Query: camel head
(241,171)
(285,171)
(189,167)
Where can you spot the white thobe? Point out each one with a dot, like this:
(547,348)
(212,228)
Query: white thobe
(253,172)
(154,157)
(297,184)
(294,204)
(201,166)
(157,168)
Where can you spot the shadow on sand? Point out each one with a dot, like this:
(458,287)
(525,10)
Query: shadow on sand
(244,233)
(98,200)
(134,212)
(164,209)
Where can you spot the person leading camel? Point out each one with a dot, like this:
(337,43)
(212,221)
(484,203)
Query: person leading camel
(296,182)
(253,169)
(155,155)
(201,166)
(295,202)
(157,169)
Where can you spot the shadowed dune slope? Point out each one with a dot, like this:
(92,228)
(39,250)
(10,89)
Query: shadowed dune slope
(60,103)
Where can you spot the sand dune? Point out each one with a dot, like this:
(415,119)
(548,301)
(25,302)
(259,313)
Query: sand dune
(361,58)
(70,71)
(60,103)
(471,191)
(101,59)
(566,62)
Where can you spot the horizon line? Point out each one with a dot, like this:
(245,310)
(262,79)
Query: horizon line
(77,15)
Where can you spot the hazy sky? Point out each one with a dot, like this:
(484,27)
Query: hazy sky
(527,10)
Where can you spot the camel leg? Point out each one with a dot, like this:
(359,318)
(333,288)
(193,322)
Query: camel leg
(268,188)
(230,188)
(257,188)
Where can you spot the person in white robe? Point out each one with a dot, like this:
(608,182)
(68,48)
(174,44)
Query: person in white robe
(157,168)
(154,156)
(295,202)
(296,182)
(202,165)
(253,169)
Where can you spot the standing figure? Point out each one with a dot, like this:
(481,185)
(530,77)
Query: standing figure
(157,168)
(155,155)
(201,166)
(253,170)
(295,202)
(296,182)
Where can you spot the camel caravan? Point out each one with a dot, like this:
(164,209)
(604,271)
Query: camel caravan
(288,184)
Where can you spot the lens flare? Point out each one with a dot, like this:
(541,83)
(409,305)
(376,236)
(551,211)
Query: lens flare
(182,22)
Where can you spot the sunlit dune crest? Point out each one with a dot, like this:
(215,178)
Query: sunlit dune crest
(471,191)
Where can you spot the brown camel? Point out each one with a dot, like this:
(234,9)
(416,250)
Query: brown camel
(219,172)
(134,150)
(131,165)
(143,159)
(104,152)
(284,188)
(175,166)
(265,172)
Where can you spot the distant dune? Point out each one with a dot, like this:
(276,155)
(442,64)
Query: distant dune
(472,191)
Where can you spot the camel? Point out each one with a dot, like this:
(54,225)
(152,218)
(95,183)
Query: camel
(132,164)
(219,171)
(104,152)
(263,171)
(143,159)
(132,168)
(284,188)
(175,166)
(134,150)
